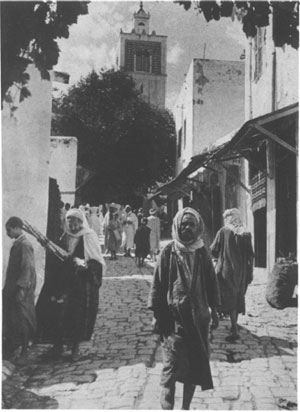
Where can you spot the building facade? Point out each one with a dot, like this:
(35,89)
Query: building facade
(210,105)
(144,56)
(271,92)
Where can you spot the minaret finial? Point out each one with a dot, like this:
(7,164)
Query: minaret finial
(141,5)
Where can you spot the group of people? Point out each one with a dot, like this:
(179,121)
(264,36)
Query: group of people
(128,230)
(189,290)
(122,228)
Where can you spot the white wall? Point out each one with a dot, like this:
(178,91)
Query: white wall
(154,87)
(211,101)
(287,76)
(218,100)
(63,162)
(183,111)
(25,164)
(259,92)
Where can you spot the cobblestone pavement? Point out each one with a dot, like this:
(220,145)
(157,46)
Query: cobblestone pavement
(120,367)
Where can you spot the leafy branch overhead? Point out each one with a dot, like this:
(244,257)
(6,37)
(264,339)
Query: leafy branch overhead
(28,35)
(127,142)
(254,14)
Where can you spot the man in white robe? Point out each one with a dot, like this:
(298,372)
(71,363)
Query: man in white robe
(130,225)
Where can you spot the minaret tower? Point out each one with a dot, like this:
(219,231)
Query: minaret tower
(144,56)
(141,21)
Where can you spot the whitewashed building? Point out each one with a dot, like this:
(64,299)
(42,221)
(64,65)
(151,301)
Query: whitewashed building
(209,106)
(25,163)
(271,109)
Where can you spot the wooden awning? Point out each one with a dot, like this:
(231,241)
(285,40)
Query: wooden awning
(244,143)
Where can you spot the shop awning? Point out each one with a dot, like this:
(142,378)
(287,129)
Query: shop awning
(243,142)
(182,184)
(269,126)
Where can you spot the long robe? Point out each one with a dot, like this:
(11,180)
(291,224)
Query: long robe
(130,225)
(68,303)
(154,225)
(183,316)
(234,268)
(19,313)
(94,221)
(142,241)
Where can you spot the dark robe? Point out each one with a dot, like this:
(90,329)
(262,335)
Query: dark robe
(183,316)
(19,312)
(234,268)
(142,241)
(68,303)
(140,217)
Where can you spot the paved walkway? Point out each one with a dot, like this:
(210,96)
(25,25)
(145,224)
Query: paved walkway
(120,367)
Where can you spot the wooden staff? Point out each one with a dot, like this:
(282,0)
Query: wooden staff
(45,242)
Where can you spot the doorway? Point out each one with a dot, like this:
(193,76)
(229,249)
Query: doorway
(260,237)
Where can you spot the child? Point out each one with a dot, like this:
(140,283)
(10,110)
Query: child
(142,242)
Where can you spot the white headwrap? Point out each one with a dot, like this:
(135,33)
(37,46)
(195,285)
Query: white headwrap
(194,244)
(232,220)
(92,249)
(83,215)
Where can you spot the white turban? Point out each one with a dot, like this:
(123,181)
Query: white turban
(197,241)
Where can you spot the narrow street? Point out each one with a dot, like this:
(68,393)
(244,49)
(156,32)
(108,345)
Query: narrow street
(120,367)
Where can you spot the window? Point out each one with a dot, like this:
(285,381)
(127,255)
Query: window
(259,42)
(143,56)
(184,134)
(142,62)
(179,143)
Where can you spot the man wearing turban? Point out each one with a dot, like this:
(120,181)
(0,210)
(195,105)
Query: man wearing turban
(183,297)
(233,249)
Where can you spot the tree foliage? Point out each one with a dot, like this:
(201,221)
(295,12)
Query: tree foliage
(29,30)
(129,143)
(254,14)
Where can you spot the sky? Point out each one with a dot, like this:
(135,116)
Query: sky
(93,40)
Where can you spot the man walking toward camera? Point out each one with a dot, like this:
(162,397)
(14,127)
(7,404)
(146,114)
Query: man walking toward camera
(183,296)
